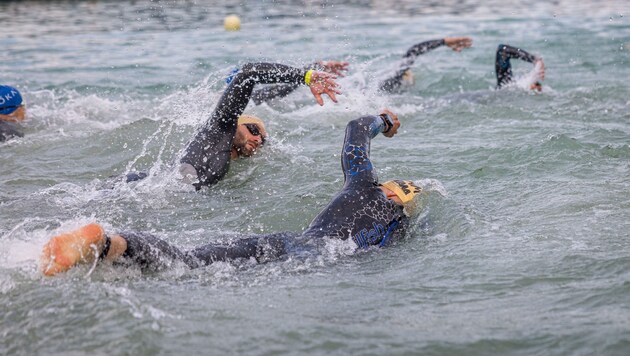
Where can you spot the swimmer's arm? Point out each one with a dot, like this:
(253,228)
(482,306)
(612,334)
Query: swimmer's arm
(395,81)
(281,90)
(503,68)
(355,155)
(507,51)
(423,47)
(271,92)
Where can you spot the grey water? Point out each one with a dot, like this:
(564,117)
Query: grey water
(522,247)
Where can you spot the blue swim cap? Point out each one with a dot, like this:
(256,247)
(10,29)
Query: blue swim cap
(10,99)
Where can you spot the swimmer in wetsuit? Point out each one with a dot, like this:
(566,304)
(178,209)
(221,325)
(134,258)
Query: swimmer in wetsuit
(365,211)
(228,134)
(404,74)
(12,110)
(503,67)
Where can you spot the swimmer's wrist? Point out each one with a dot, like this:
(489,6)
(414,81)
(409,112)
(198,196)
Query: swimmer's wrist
(308,76)
(388,123)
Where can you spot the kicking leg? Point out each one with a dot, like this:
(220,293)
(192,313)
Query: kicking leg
(83,245)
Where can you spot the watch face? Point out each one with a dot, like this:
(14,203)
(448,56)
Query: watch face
(387,120)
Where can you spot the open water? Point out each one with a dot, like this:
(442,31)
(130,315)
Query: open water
(523,245)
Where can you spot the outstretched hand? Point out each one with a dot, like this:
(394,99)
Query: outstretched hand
(324,83)
(458,43)
(334,67)
(539,65)
(394,129)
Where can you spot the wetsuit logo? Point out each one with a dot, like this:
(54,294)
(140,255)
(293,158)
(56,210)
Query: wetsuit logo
(367,237)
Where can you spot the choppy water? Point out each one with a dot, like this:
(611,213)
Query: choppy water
(528,252)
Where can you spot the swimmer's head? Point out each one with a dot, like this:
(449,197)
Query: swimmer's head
(404,193)
(250,135)
(536,86)
(11,104)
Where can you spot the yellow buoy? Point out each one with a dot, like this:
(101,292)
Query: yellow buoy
(232,23)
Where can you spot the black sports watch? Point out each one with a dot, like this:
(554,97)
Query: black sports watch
(387,120)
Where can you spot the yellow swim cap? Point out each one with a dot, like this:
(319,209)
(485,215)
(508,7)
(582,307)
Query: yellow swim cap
(406,190)
(249,119)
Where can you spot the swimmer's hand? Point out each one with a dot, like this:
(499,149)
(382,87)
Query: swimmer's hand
(539,65)
(335,67)
(458,43)
(539,74)
(324,83)
(394,129)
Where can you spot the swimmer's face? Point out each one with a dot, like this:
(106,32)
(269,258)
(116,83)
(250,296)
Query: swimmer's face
(248,139)
(536,87)
(391,196)
(18,115)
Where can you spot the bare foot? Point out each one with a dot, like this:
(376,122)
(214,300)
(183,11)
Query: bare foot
(65,251)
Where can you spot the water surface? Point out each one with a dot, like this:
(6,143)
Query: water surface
(527,252)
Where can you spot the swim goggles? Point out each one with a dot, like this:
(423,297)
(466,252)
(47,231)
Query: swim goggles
(254,130)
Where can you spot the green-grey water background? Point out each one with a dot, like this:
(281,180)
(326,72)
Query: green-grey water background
(526,253)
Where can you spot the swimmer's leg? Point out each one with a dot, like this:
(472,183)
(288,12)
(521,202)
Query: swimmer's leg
(83,245)
(263,248)
(152,253)
(89,242)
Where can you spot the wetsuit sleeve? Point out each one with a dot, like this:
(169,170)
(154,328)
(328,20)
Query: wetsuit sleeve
(422,48)
(209,151)
(7,131)
(276,91)
(409,58)
(355,155)
(273,92)
(502,64)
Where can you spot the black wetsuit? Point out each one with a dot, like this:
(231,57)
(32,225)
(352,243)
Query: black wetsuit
(393,83)
(275,91)
(7,131)
(360,211)
(502,64)
(210,150)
